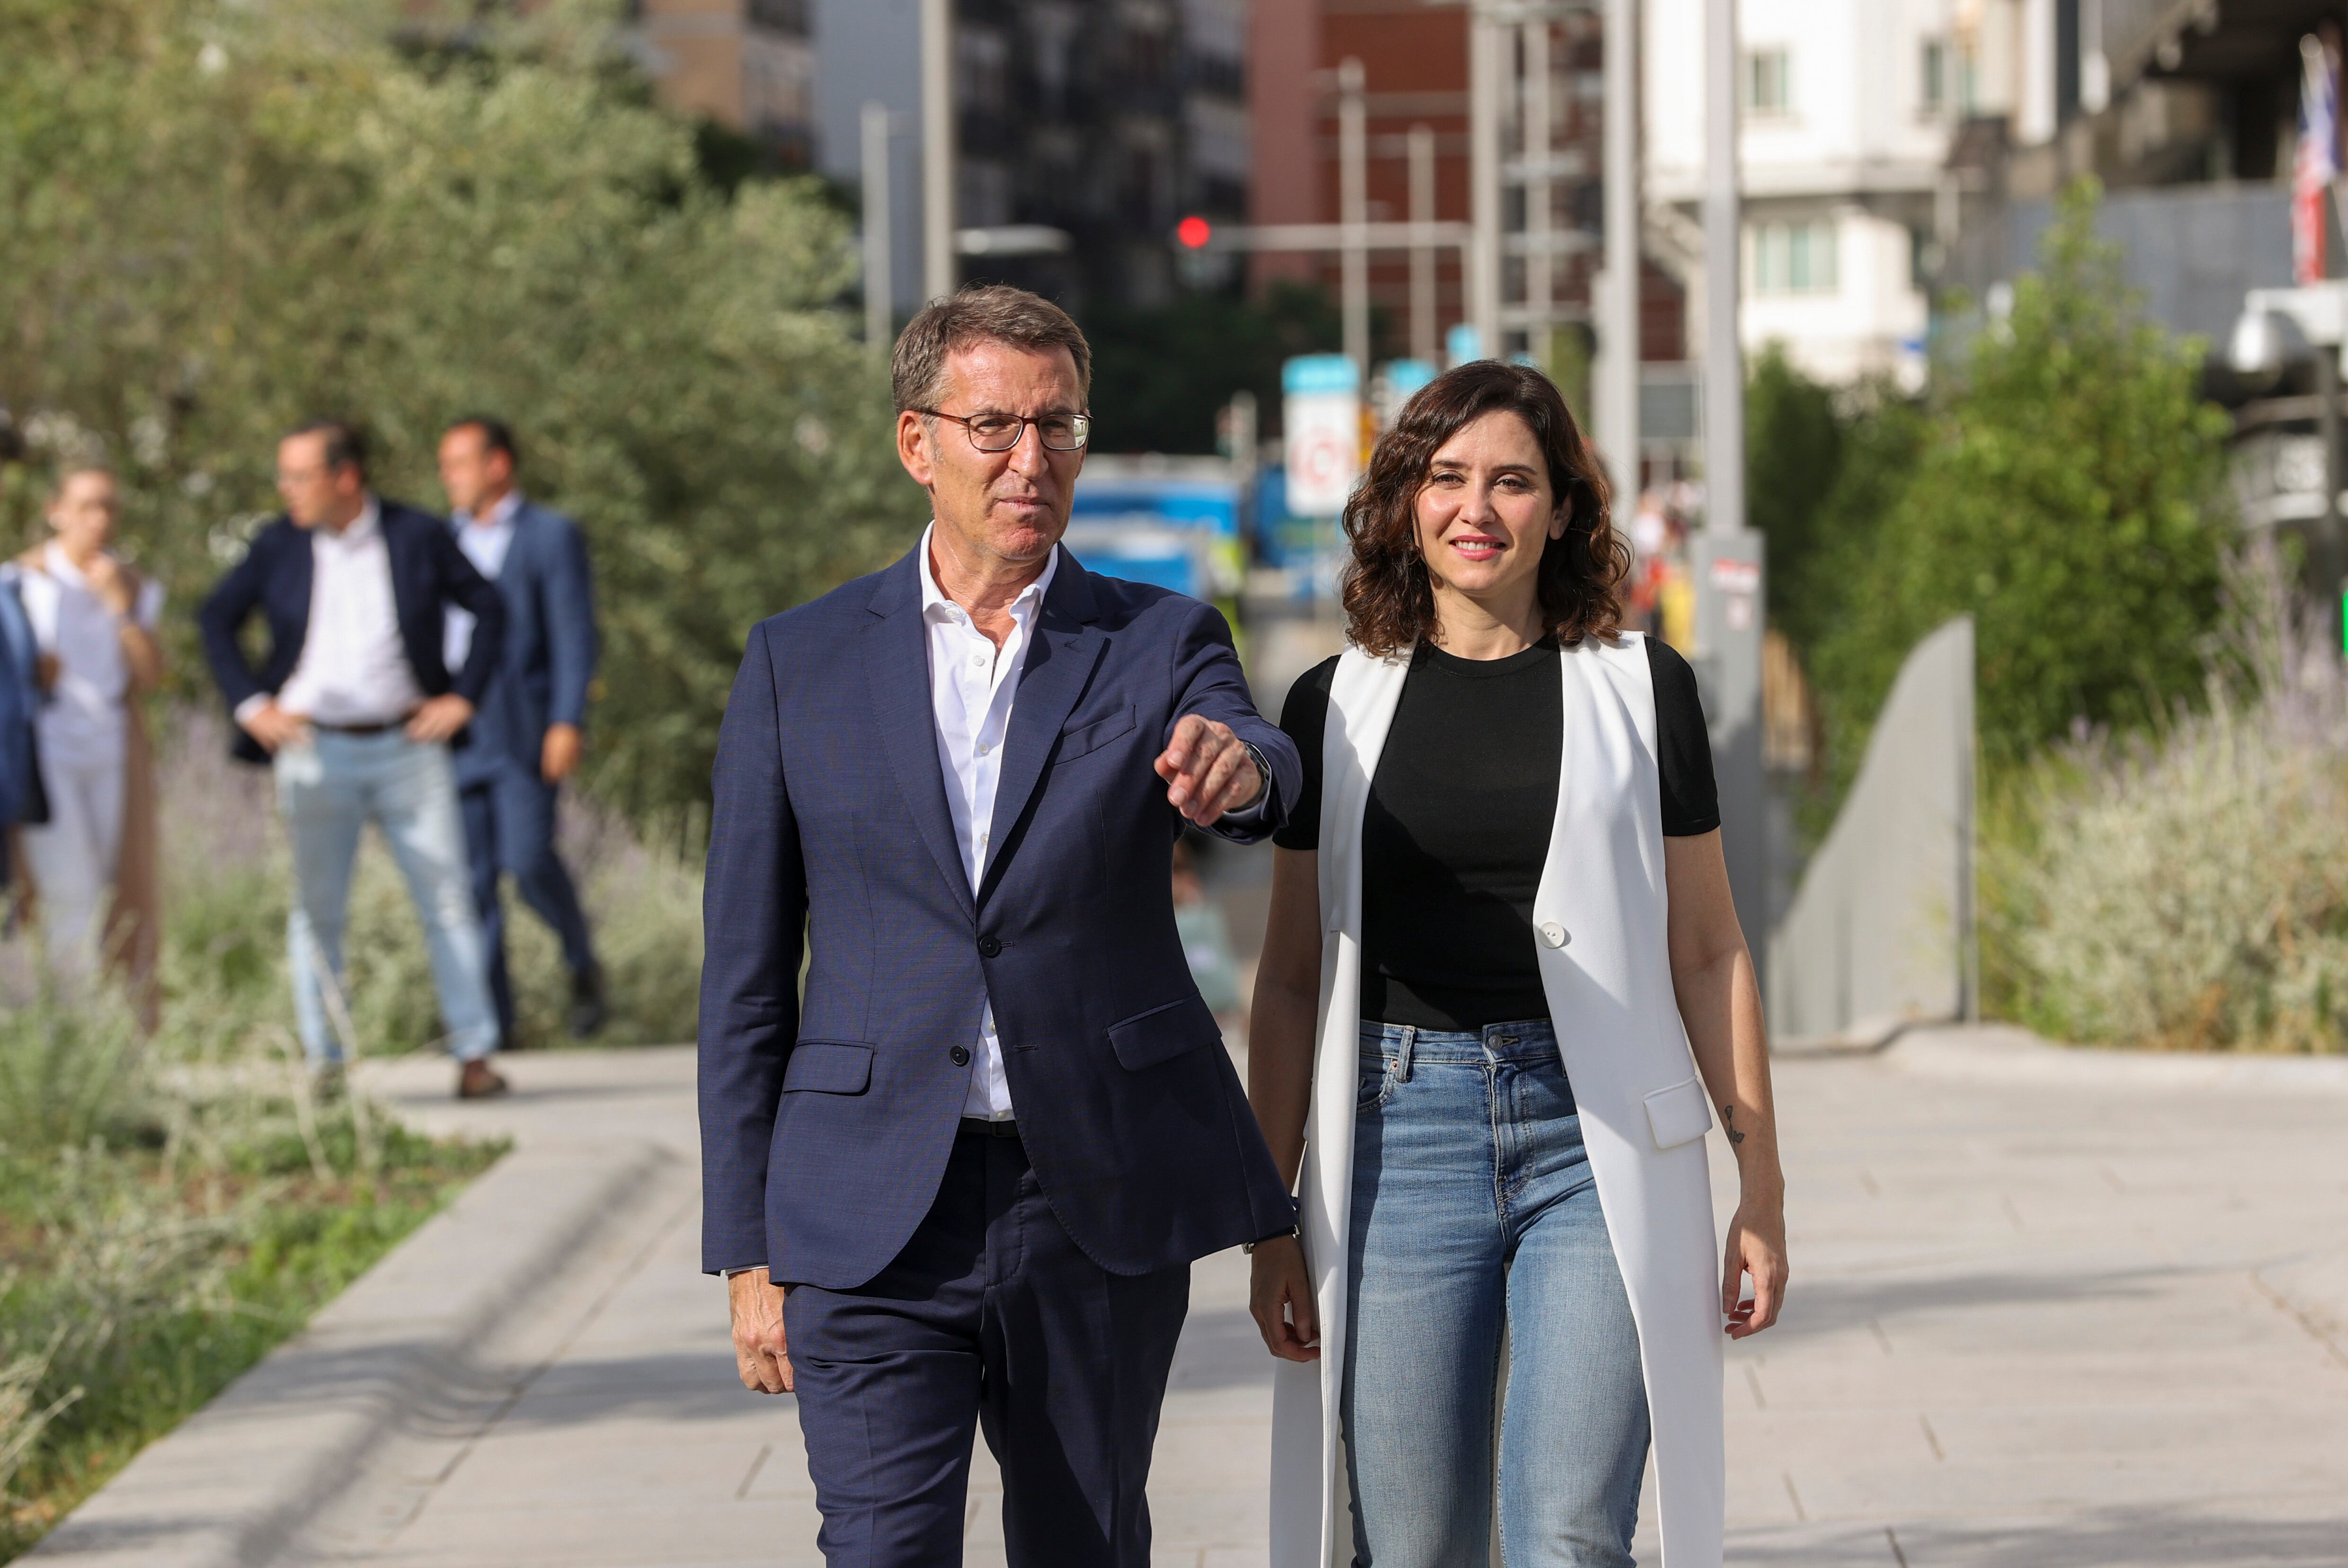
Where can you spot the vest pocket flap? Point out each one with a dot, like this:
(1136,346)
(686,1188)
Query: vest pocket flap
(1163,1033)
(1679,1113)
(829,1067)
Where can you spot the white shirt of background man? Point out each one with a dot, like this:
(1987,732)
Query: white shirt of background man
(354,667)
(484,540)
(972,685)
(81,724)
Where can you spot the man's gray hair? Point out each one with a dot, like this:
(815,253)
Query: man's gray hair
(991,312)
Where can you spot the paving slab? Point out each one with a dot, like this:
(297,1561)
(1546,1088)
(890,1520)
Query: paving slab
(2043,1321)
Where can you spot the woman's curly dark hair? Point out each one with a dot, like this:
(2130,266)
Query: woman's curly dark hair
(1389,600)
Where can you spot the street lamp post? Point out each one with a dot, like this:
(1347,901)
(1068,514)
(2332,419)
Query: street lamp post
(1617,329)
(1353,212)
(879,284)
(1729,558)
(939,272)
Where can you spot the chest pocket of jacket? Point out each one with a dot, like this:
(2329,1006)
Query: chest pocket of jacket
(1094,734)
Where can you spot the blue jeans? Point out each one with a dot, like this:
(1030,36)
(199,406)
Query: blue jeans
(329,789)
(1474,1217)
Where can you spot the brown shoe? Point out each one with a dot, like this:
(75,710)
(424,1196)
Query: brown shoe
(476,1081)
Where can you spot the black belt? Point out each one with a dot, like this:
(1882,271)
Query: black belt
(980,1127)
(360,728)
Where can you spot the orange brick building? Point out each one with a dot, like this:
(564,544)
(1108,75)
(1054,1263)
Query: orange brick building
(1415,60)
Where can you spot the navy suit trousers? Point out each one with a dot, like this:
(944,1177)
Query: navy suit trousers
(510,830)
(989,1318)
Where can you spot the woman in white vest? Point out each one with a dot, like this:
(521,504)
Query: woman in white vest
(1501,920)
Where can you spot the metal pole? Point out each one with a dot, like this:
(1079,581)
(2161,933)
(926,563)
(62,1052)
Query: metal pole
(1724,368)
(2327,539)
(939,275)
(1485,87)
(1731,559)
(1539,140)
(879,304)
(1618,330)
(1353,212)
(1424,339)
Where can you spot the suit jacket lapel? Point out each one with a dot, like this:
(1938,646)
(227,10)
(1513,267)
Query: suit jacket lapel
(1059,664)
(897,671)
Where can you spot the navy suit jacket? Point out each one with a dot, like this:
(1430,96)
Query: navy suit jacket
(826,1123)
(427,572)
(550,646)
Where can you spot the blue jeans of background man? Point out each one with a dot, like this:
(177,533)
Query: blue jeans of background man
(1475,1213)
(510,830)
(329,787)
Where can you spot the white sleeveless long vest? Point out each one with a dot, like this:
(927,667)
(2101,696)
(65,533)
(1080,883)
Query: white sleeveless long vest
(1599,919)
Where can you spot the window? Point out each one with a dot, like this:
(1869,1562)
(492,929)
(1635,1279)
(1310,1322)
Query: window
(1769,83)
(1793,258)
(1934,74)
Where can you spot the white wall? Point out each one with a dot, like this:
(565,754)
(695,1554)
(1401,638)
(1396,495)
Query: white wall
(1856,120)
(1856,128)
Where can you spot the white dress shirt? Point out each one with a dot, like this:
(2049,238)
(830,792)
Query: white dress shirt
(484,542)
(354,667)
(972,685)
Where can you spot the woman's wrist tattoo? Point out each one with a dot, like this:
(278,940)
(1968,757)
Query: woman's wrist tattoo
(1728,1124)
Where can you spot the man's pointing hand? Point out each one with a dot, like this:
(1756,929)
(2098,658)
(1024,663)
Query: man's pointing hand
(1208,770)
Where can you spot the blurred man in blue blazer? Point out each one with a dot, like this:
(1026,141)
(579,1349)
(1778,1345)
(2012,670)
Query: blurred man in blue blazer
(957,1183)
(527,737)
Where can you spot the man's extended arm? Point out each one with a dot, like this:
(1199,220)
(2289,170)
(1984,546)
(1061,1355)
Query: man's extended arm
(1209,683)
(754,915)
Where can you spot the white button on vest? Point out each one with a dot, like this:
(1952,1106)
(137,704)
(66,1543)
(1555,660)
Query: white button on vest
(1552,934)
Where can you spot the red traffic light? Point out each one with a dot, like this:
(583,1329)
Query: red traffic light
(1194,232)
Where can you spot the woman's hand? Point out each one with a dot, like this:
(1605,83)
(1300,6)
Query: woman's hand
(1283,1282)
(1757,1246)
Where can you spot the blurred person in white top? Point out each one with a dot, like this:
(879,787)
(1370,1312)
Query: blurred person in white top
(93,618)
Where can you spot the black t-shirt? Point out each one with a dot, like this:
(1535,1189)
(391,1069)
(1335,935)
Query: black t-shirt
(1456,828)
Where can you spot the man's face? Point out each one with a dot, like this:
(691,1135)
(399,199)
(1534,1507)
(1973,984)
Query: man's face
(1012,506)
(475,476)
(85,512)
(314,493)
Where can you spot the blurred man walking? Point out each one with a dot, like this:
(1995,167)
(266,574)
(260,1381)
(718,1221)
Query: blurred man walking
(93,618)
(357,711)
(527,737)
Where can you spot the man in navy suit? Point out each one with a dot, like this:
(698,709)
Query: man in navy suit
(959,1182)
(527,737)
(355,709)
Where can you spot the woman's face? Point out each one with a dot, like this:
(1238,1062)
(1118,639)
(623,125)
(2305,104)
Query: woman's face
(1487,510)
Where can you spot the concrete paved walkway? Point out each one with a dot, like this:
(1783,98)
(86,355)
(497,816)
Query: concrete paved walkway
(2032,1326)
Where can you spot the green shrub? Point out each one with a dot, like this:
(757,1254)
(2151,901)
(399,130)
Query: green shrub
(2187,888)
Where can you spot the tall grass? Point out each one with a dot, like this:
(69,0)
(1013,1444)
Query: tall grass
(228,882)
(2188,889)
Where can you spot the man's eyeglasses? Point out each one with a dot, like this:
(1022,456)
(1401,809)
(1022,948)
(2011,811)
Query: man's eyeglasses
(1001,432)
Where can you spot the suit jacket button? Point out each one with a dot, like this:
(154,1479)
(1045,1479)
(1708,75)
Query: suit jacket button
(1552,934)
(988,947)
(959,1056)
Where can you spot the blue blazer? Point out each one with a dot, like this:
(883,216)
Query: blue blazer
(21,796)
(550,645)
(428,574)
(826,1122)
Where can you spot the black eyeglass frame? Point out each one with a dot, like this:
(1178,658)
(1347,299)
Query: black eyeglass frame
(1083,422)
